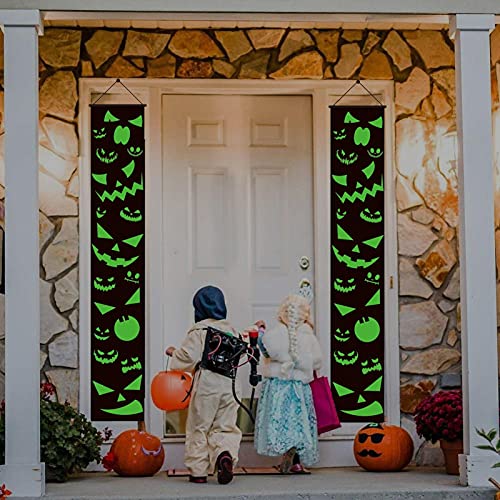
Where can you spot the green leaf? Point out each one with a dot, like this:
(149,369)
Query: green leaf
(486,447)
(496,466)
(492,435)
(482,433)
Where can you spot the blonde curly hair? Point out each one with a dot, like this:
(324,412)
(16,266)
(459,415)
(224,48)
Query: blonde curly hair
(294,312)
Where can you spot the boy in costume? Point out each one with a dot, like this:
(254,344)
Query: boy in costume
(212,436)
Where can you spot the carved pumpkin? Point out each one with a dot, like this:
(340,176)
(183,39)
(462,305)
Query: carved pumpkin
(170,390)
(136,453)
(383,448)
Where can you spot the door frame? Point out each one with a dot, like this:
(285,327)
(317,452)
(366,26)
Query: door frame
(322,93)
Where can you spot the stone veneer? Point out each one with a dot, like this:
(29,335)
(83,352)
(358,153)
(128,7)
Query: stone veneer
(422,65)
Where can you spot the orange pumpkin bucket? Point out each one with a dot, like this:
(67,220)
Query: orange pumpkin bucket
(171,390)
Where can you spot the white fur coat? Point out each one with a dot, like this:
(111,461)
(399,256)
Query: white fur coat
(276,344)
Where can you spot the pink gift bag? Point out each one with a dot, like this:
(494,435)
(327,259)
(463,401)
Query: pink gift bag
(326,413)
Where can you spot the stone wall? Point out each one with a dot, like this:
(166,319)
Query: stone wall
(422,65)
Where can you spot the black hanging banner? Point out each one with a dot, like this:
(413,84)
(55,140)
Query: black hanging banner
(357,262)
(117,262)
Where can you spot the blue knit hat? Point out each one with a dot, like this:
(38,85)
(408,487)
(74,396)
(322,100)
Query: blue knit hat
(209,303)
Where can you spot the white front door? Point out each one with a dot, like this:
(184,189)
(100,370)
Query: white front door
(237,184)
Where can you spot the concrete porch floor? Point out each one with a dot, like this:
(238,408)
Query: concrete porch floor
(337,484)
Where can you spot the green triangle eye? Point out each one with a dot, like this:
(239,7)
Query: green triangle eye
(102,389)
(109,117)
(375,386)
(342,234)
(340,179)
(350,119)
(379,122)
(100,178)
(136,121)
(135,385)
(135,299)
(368,171)
(129,169)
(134,241)
(374,242)
(102,233)
(341,390)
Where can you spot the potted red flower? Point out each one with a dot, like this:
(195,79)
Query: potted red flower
(439,417)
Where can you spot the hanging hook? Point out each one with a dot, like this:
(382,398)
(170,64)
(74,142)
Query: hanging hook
(357,82)
(111,86)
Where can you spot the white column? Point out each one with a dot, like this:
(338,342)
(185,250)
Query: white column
(477,243)
(23,473)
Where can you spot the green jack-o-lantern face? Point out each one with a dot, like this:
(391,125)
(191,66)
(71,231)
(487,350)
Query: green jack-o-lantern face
(135,151)
(133,277)
(102,333)
(99,133)
(345,157)
(106,358)
(372,278)
(342,336)
(104,284)
(113,259)
(122,187)
(353,262)
(131,215)
(131,364)
(367,329)
(375,152)
(106,157)
(128,407)
(341,213)
(347,285)
(345,359)
(100,212)
(372,216)
(121,133)
(371,365)
(339,135)
(358,400)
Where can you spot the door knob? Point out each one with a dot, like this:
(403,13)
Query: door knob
(304,263)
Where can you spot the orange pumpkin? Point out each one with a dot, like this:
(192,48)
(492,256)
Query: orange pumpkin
(383,448)
(136,453)
(170,390)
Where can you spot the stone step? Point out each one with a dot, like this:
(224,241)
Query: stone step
(322,484)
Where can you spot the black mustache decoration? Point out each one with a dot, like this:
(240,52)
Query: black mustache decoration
(369,453)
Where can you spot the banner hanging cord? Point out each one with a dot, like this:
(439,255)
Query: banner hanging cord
(357,82)
(124,86)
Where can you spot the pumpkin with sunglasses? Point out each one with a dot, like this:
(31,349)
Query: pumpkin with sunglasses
(383,448)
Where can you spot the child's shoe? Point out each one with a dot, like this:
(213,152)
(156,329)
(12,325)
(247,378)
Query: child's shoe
(197,480)
(287,461)
(224,466)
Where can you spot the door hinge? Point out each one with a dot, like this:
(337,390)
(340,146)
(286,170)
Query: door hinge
(391,282)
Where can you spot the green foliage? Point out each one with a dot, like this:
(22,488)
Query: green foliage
(491,446)
(68,441)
